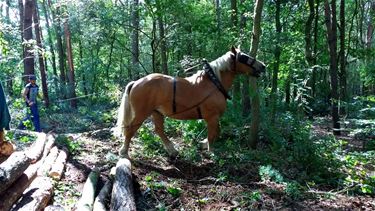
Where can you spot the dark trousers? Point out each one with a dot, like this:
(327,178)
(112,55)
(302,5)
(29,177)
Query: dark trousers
(33,115)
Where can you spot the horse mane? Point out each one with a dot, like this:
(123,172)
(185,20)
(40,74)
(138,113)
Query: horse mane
(221,64)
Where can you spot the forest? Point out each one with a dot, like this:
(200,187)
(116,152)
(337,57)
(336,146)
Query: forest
(299,137)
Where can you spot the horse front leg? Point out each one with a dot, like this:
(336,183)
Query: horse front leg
(213,132)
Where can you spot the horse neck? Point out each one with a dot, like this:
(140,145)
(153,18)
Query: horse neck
(227,78)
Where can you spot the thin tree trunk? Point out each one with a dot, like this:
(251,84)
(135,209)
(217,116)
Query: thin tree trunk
(331,23)
(28,36)
(163,45)
(255,101)
(135,38)
(42,67)
(21,10)
(343,93)
(72,90)
(237,82)
(245,83)
(110,55)
(277,62)
(316,34)
(60,49)
(51,46)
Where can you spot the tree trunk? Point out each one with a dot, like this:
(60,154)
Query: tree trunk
(245,83)
(277,62)
(42,67)
(237,83)
(331,24)
(218,20)
(163,46)
(316,35)
(255,101)
(342,57)
(51,46)
(135,39)
(72,86)
(21,10)
(28,36)
(60,49)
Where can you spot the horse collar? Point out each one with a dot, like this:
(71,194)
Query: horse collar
(211,75)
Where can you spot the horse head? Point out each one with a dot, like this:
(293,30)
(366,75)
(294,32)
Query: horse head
(246,64)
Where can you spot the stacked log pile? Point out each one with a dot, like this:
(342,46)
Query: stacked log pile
(116,194)
(26,177)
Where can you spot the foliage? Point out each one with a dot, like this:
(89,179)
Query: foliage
(72,145)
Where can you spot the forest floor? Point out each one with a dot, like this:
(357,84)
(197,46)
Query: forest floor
(180,184)
(163,184)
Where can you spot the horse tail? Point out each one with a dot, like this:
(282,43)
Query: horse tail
(125,112)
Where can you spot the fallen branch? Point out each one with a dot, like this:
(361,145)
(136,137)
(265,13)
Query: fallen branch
(37,196)
(88,193)
(13,168)
(103,197)
(123,191)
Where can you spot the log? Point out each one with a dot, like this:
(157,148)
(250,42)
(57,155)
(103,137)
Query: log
(48,161)
(59,165)
(123,191)
(36,150)
(14,192)
(88,193)
(12,169)
(54,208)
(37,196)
(49,144)
(103,197)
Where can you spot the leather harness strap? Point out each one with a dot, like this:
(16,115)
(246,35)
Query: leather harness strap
(174,96)
(211,75)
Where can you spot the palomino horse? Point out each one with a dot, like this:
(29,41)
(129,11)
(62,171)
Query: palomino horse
(200,96)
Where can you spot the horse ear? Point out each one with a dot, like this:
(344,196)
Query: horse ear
(234,51)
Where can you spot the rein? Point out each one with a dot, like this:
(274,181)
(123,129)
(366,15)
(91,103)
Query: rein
(211,75)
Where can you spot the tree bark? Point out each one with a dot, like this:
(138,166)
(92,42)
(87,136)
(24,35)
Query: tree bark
(48,161)
(88,193)
(42,67)
(13,168)
(28,36)
(60,49)
(275,74)
(135,39)
(14,192)
(72,86)
(51,46)
(237,82)
(123,192)
(342,58)
(36,150)
(37,196)
(331,24)
(255,101)
(57,169)
(316,35)
(104,197)
(22,33)
(163,45)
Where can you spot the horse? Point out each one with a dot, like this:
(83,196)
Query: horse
(200,96)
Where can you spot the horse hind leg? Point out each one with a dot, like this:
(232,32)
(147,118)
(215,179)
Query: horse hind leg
(129,133)
(159,129)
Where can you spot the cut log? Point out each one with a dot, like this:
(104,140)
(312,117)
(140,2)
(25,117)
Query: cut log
(12,168)
(48,161)
(59,165)
(123,191)
(49,144)
(14,192)
(104,197)
(36,150)
(37,196)
(88,193)
(54,208)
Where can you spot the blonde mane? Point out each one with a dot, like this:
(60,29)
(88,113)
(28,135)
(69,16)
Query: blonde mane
(221,64)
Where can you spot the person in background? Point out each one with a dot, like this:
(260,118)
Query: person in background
(30,94)
(6,148)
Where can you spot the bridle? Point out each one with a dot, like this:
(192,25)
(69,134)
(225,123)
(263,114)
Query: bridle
(246,60)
